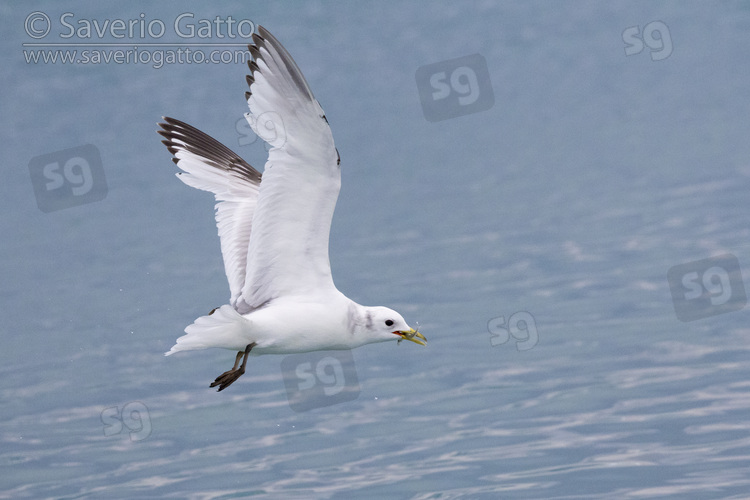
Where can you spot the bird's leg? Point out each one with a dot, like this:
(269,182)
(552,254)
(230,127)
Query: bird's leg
(225,379)
(237,361)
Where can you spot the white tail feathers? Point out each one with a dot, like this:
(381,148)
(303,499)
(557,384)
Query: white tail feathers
(224,328)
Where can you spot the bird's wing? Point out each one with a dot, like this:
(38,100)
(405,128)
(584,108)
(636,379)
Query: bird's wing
(288,251)
(208,165)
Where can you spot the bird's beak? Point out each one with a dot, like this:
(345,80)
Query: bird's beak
(413,335)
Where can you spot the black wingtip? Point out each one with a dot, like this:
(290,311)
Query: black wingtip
(254,51)
(259,39)
(179,136)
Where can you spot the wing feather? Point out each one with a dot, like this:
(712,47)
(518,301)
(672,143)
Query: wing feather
(273,228)
(288,251)
(209,165)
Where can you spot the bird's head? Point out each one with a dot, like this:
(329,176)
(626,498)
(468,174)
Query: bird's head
(382,324)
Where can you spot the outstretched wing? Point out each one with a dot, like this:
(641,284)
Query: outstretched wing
(208,165)
(288,250)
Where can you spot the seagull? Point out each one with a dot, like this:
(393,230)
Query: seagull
(274,227)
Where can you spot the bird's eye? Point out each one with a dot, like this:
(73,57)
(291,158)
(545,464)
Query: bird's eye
(388,322)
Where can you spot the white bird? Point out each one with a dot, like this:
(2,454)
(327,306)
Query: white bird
(274,227)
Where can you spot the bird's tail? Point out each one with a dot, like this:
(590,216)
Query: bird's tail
(223,327)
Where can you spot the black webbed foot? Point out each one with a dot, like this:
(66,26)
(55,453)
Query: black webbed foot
(228,377)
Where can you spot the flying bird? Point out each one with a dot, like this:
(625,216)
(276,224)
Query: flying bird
(274,226)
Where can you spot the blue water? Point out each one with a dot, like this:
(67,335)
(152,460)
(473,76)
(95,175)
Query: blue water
(590,175)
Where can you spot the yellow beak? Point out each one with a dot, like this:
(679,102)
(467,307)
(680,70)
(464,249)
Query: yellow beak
(412,335)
